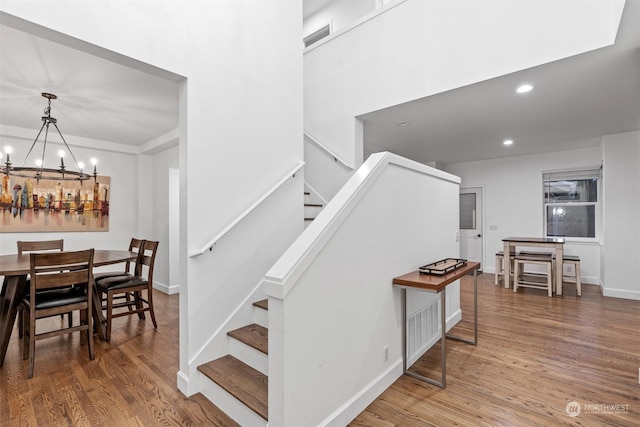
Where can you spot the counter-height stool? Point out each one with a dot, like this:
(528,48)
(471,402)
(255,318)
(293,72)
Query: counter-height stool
(573,275)
(521,278)
(499,271)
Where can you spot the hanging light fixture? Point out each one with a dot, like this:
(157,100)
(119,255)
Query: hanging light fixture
(39,171)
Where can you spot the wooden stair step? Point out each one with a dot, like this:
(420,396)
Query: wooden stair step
(253,335)
(263,304)
(241,381)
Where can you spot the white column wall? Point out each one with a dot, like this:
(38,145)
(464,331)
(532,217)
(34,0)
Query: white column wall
(621,275)
(240,113)
(423,47)
(513,200)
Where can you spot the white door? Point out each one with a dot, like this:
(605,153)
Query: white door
(471,224)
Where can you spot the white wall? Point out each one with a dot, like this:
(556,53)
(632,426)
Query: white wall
(621,270)
(423,47)
(332,306)
(158,221)
(323,172)
(240,118)
(513,200)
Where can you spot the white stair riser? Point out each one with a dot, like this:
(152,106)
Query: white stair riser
(249,355)
(261,316)
(312,211)
(230,405)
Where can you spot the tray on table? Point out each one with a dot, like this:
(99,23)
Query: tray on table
(443,266)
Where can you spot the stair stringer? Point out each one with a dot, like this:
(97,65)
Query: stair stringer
(218,344)
(222,344)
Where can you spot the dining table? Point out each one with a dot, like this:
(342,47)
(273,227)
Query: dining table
(555,243)
(15,269)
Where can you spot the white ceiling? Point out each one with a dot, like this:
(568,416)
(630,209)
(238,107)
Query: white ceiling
(575,101)
(97,98)
(309,7)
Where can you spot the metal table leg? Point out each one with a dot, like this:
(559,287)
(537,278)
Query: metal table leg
(475,315)
(443,341)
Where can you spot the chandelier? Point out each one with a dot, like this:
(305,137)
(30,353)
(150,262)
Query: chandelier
(40,171)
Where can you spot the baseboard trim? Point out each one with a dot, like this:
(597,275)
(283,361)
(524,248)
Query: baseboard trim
(620,293)
(358,403)
(183,383)
(166,289)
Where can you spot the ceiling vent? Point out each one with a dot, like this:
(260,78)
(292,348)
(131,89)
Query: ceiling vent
(317,35)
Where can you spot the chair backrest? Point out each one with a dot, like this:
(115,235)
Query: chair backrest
(40,245)
(60,269)
(147,257)
(134,246)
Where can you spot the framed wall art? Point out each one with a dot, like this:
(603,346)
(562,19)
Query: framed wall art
(51,205)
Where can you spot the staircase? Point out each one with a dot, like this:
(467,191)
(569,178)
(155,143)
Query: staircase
(239,382)
(312,208)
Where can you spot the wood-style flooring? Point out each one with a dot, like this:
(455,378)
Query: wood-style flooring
(535,355)
(131,382)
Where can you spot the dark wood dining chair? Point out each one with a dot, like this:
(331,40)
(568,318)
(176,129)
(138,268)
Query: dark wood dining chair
(38,246)
(132,287)
(61,282)
(134,246)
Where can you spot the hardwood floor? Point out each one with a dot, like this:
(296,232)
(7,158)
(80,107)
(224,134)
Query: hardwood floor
(535,354)
(131,382)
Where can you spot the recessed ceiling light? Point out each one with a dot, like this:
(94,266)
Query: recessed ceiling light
(507,142)
(524,88)
(403,124)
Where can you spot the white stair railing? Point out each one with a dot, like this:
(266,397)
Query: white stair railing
(211,243)
(331,153)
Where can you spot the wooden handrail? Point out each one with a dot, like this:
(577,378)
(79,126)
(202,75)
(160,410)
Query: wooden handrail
(328,151)
(265,196)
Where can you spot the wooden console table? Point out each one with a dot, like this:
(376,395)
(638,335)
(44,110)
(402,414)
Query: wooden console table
(437,284)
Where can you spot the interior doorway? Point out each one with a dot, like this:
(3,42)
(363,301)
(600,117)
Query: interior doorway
(471,224)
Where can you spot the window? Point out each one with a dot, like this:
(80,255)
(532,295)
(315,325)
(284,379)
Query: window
(468,211)
(571,203)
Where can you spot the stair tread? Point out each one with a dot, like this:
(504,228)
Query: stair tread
(264,304)
(217,416)
(242,381)
(252,335)
(314,205)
